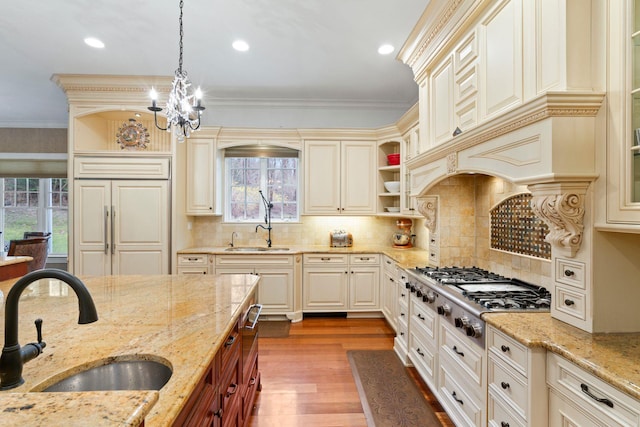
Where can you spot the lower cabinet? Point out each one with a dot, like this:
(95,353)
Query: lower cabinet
(341,282)
(577,398)
(278,273)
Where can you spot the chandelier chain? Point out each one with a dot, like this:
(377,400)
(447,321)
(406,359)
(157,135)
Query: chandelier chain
(181,35)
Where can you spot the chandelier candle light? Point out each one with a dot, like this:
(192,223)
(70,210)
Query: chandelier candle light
(183,108)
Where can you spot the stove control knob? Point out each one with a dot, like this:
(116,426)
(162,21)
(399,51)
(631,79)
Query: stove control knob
(407,285)
(444,310)
(474,330)
(429,297)
(413,289)
(461,322)
(418,293)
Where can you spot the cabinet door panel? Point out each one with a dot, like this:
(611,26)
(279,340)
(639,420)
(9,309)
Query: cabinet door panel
(141,227)
(324,289)
(358,178)
(200,177)
(364,290)
(275,291)
(502,48)
(92,227)
(322,177)
(442,102)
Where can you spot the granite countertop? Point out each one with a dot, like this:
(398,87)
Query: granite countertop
(615,358)
(181,320)
(405,258)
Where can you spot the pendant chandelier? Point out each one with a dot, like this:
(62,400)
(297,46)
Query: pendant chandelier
(184,106)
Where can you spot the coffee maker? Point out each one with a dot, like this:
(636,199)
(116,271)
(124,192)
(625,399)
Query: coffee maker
(403,236)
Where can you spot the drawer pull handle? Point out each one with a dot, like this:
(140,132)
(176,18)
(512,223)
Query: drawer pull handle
(403,295)
(230,341)
(234,388)
(569,302)
(325,259)
(569,273)
(456,351)
(505,348)
(455,397)
(420,316)
(504,424)
(391,279)
(401,314)
(419,352)
(252,381)
(218,413)
(192,259)
(364,258)
(585,390)
(504,385)
(401,334)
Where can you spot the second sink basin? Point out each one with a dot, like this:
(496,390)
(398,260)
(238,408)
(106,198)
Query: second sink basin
(117,375)
(254,249)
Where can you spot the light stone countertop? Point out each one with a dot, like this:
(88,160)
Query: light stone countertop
(615,358)
(181,320)
(406,258)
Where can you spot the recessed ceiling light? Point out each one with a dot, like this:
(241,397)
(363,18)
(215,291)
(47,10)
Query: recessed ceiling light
(240,45)
(94,42)
(385,49)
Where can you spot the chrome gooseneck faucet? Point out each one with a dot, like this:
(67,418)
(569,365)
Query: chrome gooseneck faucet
(267,217)
(13,356)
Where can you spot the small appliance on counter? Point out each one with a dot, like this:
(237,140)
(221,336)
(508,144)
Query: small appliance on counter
(340,239)
(402,237)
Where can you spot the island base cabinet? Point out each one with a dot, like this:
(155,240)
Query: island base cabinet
(203,407)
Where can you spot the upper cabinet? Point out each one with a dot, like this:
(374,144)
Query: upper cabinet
(339,177)
(623,132)
(200,177)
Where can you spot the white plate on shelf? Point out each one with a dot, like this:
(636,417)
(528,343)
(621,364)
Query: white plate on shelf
(392,209)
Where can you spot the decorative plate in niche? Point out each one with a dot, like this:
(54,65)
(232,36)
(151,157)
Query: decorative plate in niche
(515,228)
(132,136)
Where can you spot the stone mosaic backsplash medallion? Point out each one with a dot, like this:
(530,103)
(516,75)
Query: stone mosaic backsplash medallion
(515,228)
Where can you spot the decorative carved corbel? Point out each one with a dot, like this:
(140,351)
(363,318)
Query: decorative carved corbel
(428,207)
(561,207)
(452,163)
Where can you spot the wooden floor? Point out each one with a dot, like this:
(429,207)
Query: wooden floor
(307,380)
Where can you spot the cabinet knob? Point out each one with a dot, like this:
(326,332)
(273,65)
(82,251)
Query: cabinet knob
(569,302)
(504,385)
(569,273)
(504,348)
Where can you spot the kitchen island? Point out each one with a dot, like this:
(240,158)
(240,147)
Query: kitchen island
(181,321)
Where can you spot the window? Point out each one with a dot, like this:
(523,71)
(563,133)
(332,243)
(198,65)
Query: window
(277,177)
(35,204)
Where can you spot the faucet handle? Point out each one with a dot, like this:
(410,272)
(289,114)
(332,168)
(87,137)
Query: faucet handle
(38,323)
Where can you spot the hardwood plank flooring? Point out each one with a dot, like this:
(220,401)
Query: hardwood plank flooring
(307,379)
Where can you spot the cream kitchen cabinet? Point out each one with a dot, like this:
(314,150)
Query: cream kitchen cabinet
(200,185)
(278,278)
(389,292)
(339,177)
(340,282)
(578,398)
(196,264)
(120,226)
(516,382)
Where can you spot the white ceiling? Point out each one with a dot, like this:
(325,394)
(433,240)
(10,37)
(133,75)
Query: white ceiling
(301,50)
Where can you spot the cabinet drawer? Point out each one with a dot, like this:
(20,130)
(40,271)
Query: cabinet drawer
(468,359)
(507,349)
(464,409)
(424,319)
(423,356)
(390,266)
(508,385)
(583,389)
(325,259)
(570,302)
(570,273)
(192,260)
(498,415)
(230,348)
(403,332)
(403,294)
(193,270)
(366,259)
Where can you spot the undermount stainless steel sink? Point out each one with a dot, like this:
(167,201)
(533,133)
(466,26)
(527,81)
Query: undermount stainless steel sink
(116,375)
(254,249)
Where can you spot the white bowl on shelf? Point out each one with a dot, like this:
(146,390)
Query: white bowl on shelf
(392,186)
(392,209)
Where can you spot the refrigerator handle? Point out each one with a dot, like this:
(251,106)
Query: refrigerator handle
(106,230)
(113,223)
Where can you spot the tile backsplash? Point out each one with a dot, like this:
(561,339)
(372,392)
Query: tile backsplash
(311,230)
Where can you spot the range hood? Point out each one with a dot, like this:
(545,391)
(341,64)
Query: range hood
(547,144)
